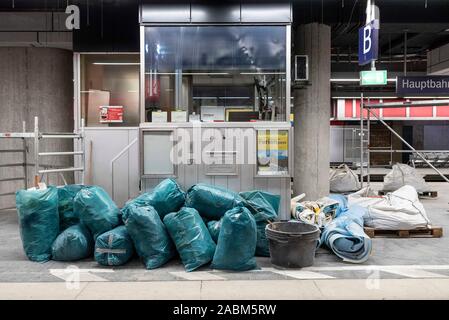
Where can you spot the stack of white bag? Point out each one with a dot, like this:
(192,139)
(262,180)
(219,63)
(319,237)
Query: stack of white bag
(402,175)
(343,179)
(399,210)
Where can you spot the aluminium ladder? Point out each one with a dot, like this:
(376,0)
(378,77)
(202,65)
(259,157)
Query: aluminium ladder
(37,138)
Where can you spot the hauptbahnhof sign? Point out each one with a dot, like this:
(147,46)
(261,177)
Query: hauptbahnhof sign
(422,85)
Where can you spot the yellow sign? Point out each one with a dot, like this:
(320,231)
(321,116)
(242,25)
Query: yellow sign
(272,140)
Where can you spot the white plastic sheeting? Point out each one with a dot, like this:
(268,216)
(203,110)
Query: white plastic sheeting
(402,175)
(343,179)
(399,210)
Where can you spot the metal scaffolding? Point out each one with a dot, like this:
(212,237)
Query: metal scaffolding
(407,104)
(37,137)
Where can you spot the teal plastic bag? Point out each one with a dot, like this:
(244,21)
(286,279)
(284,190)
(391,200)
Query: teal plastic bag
(150,237)
(237,241)
(74,243)
(96,209)
(166,197)
(214,229)
(67,216)
(190,235)
(38,221)
(264,206)
(212,202)
(114,248)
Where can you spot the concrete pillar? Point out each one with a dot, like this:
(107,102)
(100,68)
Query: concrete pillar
(312,113)
(34,82)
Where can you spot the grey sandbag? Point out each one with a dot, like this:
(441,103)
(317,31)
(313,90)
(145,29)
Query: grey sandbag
(114,248)
(96,209)
(166,197)
(150,237)
(74,243)
(38,221)
(67,216)
(191,237)
(264,206)
(214,229)
(237,241)
(212,202)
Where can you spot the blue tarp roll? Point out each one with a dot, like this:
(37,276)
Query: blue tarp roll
(345,235)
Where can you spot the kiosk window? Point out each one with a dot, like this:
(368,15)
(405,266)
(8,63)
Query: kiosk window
(110,89)
(216,73)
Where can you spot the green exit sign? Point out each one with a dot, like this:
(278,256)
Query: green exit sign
(373,78)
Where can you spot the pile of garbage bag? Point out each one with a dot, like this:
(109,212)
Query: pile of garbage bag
(191,237)
(206,225)
(150,237)
(38,221)
(74,243)
(237,240)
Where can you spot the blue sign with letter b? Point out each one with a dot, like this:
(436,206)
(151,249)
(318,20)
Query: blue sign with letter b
(368,42)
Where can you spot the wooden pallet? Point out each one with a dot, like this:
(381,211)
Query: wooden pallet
(432,232)
(425,194)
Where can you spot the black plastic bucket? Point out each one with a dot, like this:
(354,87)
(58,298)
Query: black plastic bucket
(292,244)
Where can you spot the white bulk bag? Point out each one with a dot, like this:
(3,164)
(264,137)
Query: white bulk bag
(399,210)
(343,179)
(402,175)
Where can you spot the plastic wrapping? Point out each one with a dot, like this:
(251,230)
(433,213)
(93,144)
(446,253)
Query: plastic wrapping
(345,235)
(265,207)
(401,175)
(114,248)
(237,241)
(96,209)
(38,221)
(210,201)
(399,210)
(166,197)
(151,239)
(343,179)
(67,216)
(214,229)
(191,237)
(74,243)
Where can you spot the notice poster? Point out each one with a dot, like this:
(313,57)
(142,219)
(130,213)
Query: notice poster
(111,114)
(272,152)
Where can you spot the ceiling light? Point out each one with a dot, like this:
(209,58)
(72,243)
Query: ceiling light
(117,63)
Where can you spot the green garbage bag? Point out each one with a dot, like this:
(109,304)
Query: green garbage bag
(190,235)
(214,229)
(166,197)
(212,202)
(237,241)
(67,216)
(114,247)
(150,237)
(38,221)
(264,206)
(74,243)
(96,209)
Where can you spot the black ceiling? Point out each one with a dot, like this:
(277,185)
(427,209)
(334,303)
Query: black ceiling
(424,20)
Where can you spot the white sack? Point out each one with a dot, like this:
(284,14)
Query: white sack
(402,175)
(399,210)
(343,179)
